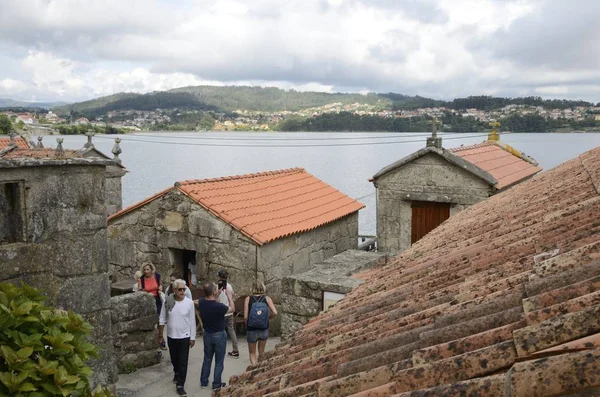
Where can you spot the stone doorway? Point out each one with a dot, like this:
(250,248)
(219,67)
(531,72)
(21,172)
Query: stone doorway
(184,263)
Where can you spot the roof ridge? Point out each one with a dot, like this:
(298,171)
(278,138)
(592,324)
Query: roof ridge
(469,147)
(243,176)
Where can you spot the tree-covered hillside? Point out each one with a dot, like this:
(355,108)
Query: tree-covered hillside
(273,99)
(222,99)
(151,101)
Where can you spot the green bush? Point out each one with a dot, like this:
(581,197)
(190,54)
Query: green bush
(42,350)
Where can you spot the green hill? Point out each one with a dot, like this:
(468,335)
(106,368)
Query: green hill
(273,99)
(239,98)
(220,99)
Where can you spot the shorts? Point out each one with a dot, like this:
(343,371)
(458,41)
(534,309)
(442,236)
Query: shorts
(255,335)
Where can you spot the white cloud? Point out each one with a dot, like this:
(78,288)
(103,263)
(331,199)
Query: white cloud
(12,86)
(443,48)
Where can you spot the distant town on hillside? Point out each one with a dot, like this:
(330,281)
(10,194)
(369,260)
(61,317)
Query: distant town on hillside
(212,108)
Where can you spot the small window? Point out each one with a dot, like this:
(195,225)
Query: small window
(11,213)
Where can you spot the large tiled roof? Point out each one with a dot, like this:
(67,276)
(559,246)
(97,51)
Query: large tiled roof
(501,299)
(504,164)
(269,205)
(19,141)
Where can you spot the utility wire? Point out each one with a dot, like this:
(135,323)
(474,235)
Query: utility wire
(390,135)
(364,197)
(284,145)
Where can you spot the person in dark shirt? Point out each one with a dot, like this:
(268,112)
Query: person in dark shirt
(212,313)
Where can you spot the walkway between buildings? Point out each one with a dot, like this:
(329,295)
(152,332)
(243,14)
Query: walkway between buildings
(157,381)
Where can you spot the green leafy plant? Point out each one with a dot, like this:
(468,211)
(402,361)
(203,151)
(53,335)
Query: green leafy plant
(129,368)
(42,350)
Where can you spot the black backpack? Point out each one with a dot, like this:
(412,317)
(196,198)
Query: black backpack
(156,277)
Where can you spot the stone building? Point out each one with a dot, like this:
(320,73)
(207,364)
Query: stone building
(266,225)
(417,193)
(53,235)
(114,171)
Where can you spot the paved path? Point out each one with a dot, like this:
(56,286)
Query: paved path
(157,381)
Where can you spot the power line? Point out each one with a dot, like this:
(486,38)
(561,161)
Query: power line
(255,138)
(364,197)
(285,145)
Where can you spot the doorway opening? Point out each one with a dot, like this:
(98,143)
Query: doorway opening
(184,263)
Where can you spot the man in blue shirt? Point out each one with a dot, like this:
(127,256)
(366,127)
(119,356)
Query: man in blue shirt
(212,313)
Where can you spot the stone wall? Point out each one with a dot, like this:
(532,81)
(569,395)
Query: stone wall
(173,221)
(63,250)
(427,178)
(302,294)
(134,318)
(113,197)
(113,189)
(301,252)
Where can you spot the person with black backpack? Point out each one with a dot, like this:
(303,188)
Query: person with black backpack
(259,308)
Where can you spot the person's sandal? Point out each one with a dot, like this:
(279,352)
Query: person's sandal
(234,354)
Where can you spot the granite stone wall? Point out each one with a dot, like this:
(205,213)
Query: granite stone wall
(155,231)
(134,319)
(302,294)
(113,189)
(427,178)
(63,249)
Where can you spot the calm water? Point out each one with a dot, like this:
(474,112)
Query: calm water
(157,160)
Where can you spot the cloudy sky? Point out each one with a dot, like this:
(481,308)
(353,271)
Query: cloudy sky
(69,50)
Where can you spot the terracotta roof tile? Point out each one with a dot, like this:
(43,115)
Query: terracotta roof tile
(39,154)
(20,141)
(269,205)
(456,305)
(500,163)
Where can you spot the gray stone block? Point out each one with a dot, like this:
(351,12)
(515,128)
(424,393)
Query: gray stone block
(85,294)
(202,223)
(145,323)
(300,306)
(138,341)
(132,306)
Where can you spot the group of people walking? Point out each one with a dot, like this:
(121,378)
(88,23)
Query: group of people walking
(178,314)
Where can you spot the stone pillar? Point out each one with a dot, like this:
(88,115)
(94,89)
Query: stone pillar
(133,319)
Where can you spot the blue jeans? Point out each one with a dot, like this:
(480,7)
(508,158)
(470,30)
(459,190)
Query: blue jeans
(214,344)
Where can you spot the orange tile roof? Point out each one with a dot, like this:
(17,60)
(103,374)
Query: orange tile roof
(269,205)
(20,141)
(39,154)
(506,167)
(497,300)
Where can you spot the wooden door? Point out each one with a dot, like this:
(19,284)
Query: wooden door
(426,216)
